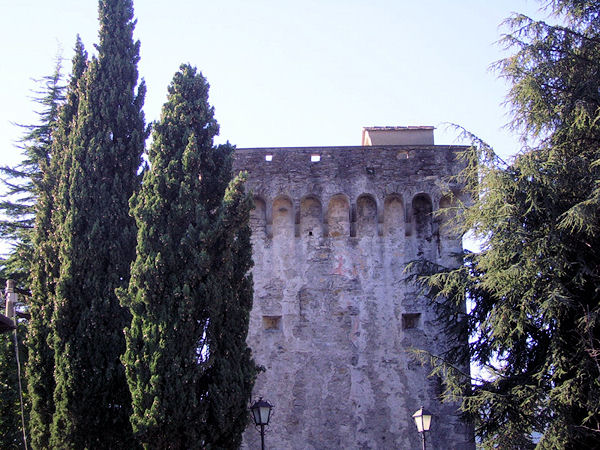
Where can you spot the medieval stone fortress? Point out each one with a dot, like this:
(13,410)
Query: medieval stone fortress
(334,317)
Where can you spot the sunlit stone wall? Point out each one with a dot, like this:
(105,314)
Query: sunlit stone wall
(334,318)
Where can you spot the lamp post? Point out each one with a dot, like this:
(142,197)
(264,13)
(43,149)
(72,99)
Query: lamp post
(8,322)
(423,421)
(261,414)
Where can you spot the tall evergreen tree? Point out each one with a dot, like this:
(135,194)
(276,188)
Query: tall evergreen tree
(97,242)
(231,372)
(188,366)
(535,320)
(23,183)
(24,186)
(44,267)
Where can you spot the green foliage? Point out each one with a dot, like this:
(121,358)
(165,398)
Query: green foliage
(189,369)
(231,370)
(534,325)
(45,268)
(11,432)
(25,186)
(96,241)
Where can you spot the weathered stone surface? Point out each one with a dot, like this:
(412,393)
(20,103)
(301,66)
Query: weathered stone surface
(334,319)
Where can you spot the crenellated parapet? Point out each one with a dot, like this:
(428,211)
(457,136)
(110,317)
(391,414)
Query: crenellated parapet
(391,192)
(324,172)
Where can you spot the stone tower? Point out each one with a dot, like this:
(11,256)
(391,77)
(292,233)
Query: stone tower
(334,318)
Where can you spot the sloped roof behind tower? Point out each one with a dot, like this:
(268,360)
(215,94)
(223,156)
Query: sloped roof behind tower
(422,135)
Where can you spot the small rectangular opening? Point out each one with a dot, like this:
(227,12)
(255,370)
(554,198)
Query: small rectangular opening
(315,158)
(271,322)
(411,321)
(269,158)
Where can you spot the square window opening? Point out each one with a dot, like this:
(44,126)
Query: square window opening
(272,323)
(411,321)
(269,158)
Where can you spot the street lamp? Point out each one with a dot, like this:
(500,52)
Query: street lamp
(423,421)
(261,413)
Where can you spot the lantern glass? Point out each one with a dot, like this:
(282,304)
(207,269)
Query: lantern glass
(426,422)
(256,415)
(265,413)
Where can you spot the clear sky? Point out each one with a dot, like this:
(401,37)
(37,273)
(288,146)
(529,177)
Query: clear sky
(287,72)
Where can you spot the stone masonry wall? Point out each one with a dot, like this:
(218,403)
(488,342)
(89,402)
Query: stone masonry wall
(333,317)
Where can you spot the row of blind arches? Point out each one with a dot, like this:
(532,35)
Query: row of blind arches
(339,217)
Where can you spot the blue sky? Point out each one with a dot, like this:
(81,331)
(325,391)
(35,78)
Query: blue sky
(287,72)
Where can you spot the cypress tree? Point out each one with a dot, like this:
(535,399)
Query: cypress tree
(45,269)
(97,242)
(188,367)
(231,372)
(535,318)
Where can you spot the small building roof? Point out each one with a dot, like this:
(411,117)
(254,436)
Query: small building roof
(404,135)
